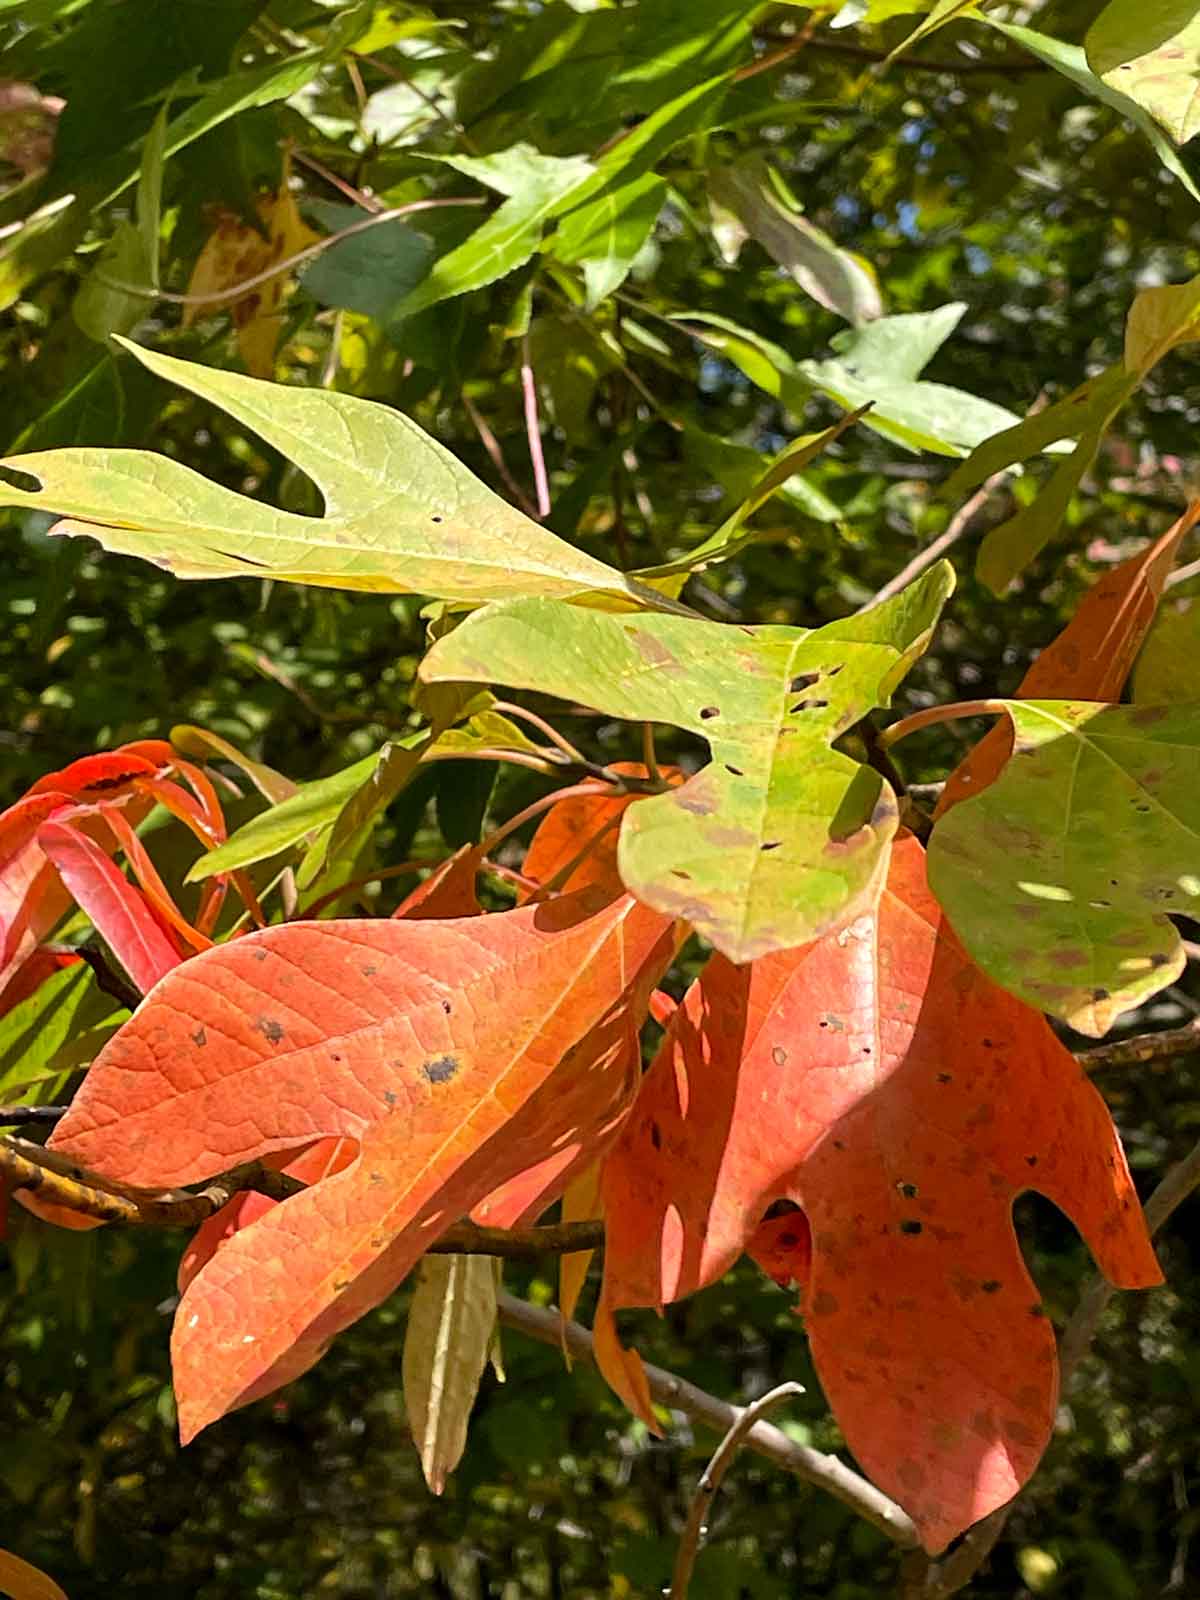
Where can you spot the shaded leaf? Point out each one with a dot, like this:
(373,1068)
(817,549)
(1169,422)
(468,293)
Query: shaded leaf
(434,1046)
(606,234)
(372,272)
(401,513)
(451,1323)
(835,278)
(1071,61)
(882,1084)
(1058,878)
(1166,668)
(780,837)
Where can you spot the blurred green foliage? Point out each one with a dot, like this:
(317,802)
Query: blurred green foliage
(969,172)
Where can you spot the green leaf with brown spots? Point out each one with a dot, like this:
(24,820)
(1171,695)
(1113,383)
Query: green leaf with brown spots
(780,838)
(1166,668)
(1060,877)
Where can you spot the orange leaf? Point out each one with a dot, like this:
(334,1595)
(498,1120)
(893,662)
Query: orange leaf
(880,1082)
(23,1582)
(1090,659)
(443,1049)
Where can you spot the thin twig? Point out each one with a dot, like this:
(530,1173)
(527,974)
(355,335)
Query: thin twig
(533,431)
(496,455)
(234,291)
(360,197)
(498,835)
(22,1116)
(861,52)
(938,1580)
(1143,1049)
(696,1528)
(1182,574)
(932,715)
(649,755)
(547,728)
(958,525)
(824,1471)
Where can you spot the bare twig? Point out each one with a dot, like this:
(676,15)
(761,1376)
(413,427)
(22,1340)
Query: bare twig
(931,1580)
(1012,68)
(815,1467)
(935,714)
(540,723)
(23,1116)
(554,1239)
(360,197)
(496,455)
(234,291)
(1182,574)
(696,1528)
(1143,1048)
(957,526)
(533,431)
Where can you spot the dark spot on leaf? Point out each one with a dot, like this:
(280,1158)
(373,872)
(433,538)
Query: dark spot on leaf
(1158,959)
(335,1058)
(369,972)
(260,955)
(1038,1310)
(709,712)
(435,519)
(911,1227)
(808,705)
(779,1056)
(737,771)
(944,1077)
(375,1177)
(803,680)
(200,1038)
(987,1044)
(389,1097)
(990,1285)
(908,1190)
(839,1144)
(446,1007)
(1100,994)
(340,1285)
(1031,1161)
(866,1049)
(772,844)
(441,1069)
(678,872)
(656,1135)
(1147,716)
(271,1030)
(787,1241)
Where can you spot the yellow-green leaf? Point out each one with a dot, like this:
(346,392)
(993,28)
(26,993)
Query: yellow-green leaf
(451,1325)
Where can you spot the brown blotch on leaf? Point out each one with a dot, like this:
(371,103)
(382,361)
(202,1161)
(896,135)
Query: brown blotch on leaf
(260,955)
(200,1038)
(271,1030)
(910,1227)
(990,1285)
(779,1056)
(441,1069)
(707,713)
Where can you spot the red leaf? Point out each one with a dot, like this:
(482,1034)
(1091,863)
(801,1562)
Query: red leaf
(883,1084)
(442,1048)
(118,912)
(45,961)
(1090,659)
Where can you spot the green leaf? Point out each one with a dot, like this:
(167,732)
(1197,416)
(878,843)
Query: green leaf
(394,766)
(371,272)
(732,535)
(780,838)
(401,513)
(1151,52)
(1166,669)
(534,184)
(32,1033)
(451,1323)
(607,233)
(314,805)
(1070,60)
(1059,876)
(1160,319)
(835,278)
(100,308)
(149,193)
(917,414)
(738,467)
(1083,415)
(204,746)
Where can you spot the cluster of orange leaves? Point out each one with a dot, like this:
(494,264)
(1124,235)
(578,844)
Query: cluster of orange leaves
(858,1114)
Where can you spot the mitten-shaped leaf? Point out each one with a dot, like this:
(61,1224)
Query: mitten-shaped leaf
(781,837)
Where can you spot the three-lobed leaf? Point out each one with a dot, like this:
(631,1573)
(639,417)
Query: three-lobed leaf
(401,513)
(780,837)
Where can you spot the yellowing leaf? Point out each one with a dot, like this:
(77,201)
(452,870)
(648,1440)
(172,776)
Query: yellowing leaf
(1150,50)
(446,1346)
(236,253)
(401,513)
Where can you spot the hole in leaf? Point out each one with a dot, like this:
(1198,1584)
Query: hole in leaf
(21,480)
(707,713)
(803,680)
